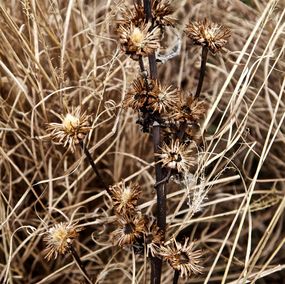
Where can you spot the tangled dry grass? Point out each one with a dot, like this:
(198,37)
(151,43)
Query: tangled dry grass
(63,54)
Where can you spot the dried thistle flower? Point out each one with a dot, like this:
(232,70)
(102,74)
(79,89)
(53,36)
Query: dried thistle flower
(138,40)
(73,128)
(59,238)
(182,258)
(178,156)
(130,228)
(153,97)
(189,109)
(153,238)
(208,34)
(162,98)
(125,197)
(137,95)
(161,11)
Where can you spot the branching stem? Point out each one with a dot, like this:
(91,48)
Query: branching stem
(202,71)
(79,264)
(176,276)
(94,167)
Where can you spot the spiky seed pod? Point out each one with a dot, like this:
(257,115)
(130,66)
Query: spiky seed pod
(125,197)
(133,15)
(137,95)
(178,156)
(59,238)
(208,34)
(161,13)
(182,257)
(138,40)
(162,98)
(189,109)
(153,238)
(130,228)
(73,128)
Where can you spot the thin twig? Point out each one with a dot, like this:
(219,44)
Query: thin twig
(202,71)
(79,264)
(176,276)
(91,162)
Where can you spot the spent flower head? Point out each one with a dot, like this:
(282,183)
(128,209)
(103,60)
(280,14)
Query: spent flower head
(130,228)
(137,95)
(125,197)
(162,98)
(178,156)
(189,109)
(208,34)
(161,13)
(138,40)
(73,128)
(59,238)
(182,257)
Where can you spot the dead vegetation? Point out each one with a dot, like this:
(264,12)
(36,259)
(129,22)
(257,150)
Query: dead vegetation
(55,56)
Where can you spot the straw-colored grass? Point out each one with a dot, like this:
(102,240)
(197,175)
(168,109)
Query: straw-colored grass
(66,53)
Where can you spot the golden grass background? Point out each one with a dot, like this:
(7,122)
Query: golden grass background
(65,53)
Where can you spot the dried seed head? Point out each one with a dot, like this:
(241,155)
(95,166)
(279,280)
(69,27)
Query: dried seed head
(208,34)
(162,98)
(73,128)
(130,228)
(182,257)
(189,109)
(125,197)
(138,40)
(154,237)
(161,13)
(59,238)
(178,156)
(137,95)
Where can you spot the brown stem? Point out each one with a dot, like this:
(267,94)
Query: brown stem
(156,263)
(91,162)
(79,264)
(176,277)
(202,71)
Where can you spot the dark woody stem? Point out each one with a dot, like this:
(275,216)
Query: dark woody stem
(144,73)
(79,264)
(156,263)
(202,71)
(91,162)
(176,277)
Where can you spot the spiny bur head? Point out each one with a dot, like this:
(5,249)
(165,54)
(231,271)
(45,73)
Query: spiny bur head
(59,238)
(162,98)
(189,109)
(125,197)
(208,34)
(182,257)
(178,156)
(73,128)
(130,228)
(161,13)
(138,40)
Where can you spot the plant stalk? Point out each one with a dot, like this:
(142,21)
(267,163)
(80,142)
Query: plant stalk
(202,70)
(79,264)
(156,263)
(94,167)
(176,276)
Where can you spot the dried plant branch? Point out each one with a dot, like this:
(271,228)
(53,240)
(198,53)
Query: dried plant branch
(94,167)
(80,264)
(202,70)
